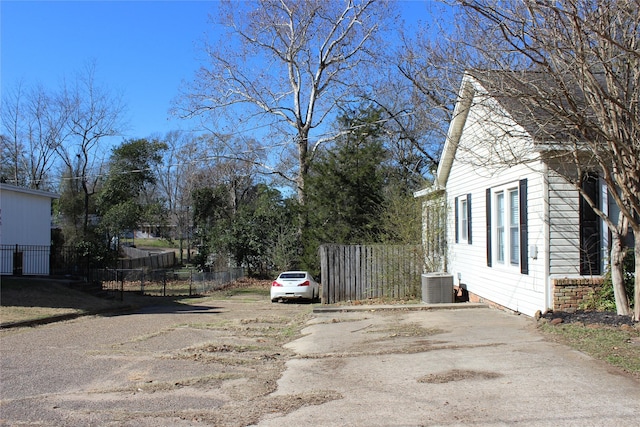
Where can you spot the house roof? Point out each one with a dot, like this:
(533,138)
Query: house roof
(460,113)
(533,101)
(24,190)
(520,94)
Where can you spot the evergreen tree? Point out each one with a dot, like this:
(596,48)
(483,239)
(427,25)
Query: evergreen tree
(211,219)
(261,222)
(120,202)
(345,188)
(256,231)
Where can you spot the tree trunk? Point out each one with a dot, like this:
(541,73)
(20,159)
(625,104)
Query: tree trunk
(85,222)
(303,170)
(618,253)
(636,285)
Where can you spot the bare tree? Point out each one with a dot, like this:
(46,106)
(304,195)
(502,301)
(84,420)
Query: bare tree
(34,124)
(286,64)
(94,114)
(419,92)
(588,54)
(13,150)
(177,179)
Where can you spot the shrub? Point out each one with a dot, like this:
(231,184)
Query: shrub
(602,299)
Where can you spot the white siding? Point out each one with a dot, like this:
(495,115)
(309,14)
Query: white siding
(564,227)
(483,161)
(25,220)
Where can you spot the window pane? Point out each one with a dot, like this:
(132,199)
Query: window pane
(515,247)
(513,205)
(514,234)
(500,237)
(463,222)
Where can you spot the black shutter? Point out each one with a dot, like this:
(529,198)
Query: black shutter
(456,220)
(489,227)
(590,228)
(524,230)
(469,218)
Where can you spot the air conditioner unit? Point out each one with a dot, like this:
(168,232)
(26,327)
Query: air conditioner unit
(437,288)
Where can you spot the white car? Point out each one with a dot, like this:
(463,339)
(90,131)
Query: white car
(294,285)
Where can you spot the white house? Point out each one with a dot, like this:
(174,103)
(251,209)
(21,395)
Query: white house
(517,232)
(25,230)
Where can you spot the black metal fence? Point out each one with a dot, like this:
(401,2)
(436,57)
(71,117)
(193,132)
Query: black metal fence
(18,260)
(68,260)
(42,260)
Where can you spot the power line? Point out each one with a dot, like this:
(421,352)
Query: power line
(326,136)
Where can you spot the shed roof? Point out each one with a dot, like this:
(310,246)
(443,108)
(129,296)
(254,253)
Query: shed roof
(24,190)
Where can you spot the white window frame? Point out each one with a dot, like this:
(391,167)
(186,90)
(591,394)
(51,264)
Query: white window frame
(514,227)
(505,225)
(498,221)
(464,220)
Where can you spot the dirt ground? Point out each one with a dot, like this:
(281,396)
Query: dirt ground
(605,318)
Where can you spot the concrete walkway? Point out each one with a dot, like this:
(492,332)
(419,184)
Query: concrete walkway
(423,367)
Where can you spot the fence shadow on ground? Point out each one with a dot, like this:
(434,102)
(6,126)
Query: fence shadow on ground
(31,300)
(109,292)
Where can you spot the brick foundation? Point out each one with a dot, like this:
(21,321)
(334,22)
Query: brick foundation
(569,293)
(478,299)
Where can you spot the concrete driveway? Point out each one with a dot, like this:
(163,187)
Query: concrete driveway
(447,367)
(164,366)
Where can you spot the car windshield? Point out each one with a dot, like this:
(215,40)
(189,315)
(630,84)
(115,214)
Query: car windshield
(293,275)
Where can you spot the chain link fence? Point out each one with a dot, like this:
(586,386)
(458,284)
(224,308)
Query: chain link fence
(165,282)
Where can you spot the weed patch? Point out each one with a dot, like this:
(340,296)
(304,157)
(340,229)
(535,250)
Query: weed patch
(619,347)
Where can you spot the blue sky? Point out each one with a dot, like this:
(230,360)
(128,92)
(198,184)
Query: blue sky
(143,49)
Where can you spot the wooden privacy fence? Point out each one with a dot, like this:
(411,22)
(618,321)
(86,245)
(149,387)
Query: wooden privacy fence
(370,271)
(151,261)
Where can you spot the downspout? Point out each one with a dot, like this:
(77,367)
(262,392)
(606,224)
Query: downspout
(548,289)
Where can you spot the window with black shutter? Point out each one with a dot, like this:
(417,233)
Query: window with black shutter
(507,227)
(488,213)
(524,228)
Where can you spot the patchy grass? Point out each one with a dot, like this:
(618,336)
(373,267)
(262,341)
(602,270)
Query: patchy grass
(618,346)
(151,243)
(31,299)
(244,294)
(25,299)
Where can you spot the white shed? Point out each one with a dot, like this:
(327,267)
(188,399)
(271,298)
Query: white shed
(25,230)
